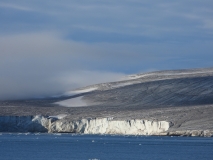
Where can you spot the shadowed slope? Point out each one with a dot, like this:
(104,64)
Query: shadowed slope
(160,93)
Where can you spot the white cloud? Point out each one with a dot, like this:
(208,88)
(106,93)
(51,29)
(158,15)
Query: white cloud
(14,6)
(32,85)
(42,64)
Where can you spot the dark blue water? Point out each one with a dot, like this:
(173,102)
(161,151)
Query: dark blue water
(92,147)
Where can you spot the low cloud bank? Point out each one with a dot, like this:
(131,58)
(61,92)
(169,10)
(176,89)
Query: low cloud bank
(29,85)
(41,64)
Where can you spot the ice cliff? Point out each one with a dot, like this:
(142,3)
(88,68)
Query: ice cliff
(110,126)
(85,126)
(24,124)
(60,124)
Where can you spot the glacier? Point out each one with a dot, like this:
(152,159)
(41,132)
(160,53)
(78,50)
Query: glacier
(59,124)
(107,125)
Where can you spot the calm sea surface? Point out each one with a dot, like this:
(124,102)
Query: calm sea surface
(95,147)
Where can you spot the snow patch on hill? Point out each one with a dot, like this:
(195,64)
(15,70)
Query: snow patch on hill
(80,91)
(73,102)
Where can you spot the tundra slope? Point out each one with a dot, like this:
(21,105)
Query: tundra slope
(183,98)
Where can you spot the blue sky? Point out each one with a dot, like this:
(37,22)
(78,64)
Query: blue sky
(49,47)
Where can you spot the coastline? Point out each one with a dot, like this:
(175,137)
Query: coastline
(94,126)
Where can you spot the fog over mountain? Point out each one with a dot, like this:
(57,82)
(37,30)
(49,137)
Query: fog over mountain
(50,47)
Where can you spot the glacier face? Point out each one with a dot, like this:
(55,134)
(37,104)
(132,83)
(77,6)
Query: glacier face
(109,126)
(24,123)
(52,124)
(86,126)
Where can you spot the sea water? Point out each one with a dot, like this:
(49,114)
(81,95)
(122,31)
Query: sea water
(102,147)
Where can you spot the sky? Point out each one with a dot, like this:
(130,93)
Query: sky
(50,47)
